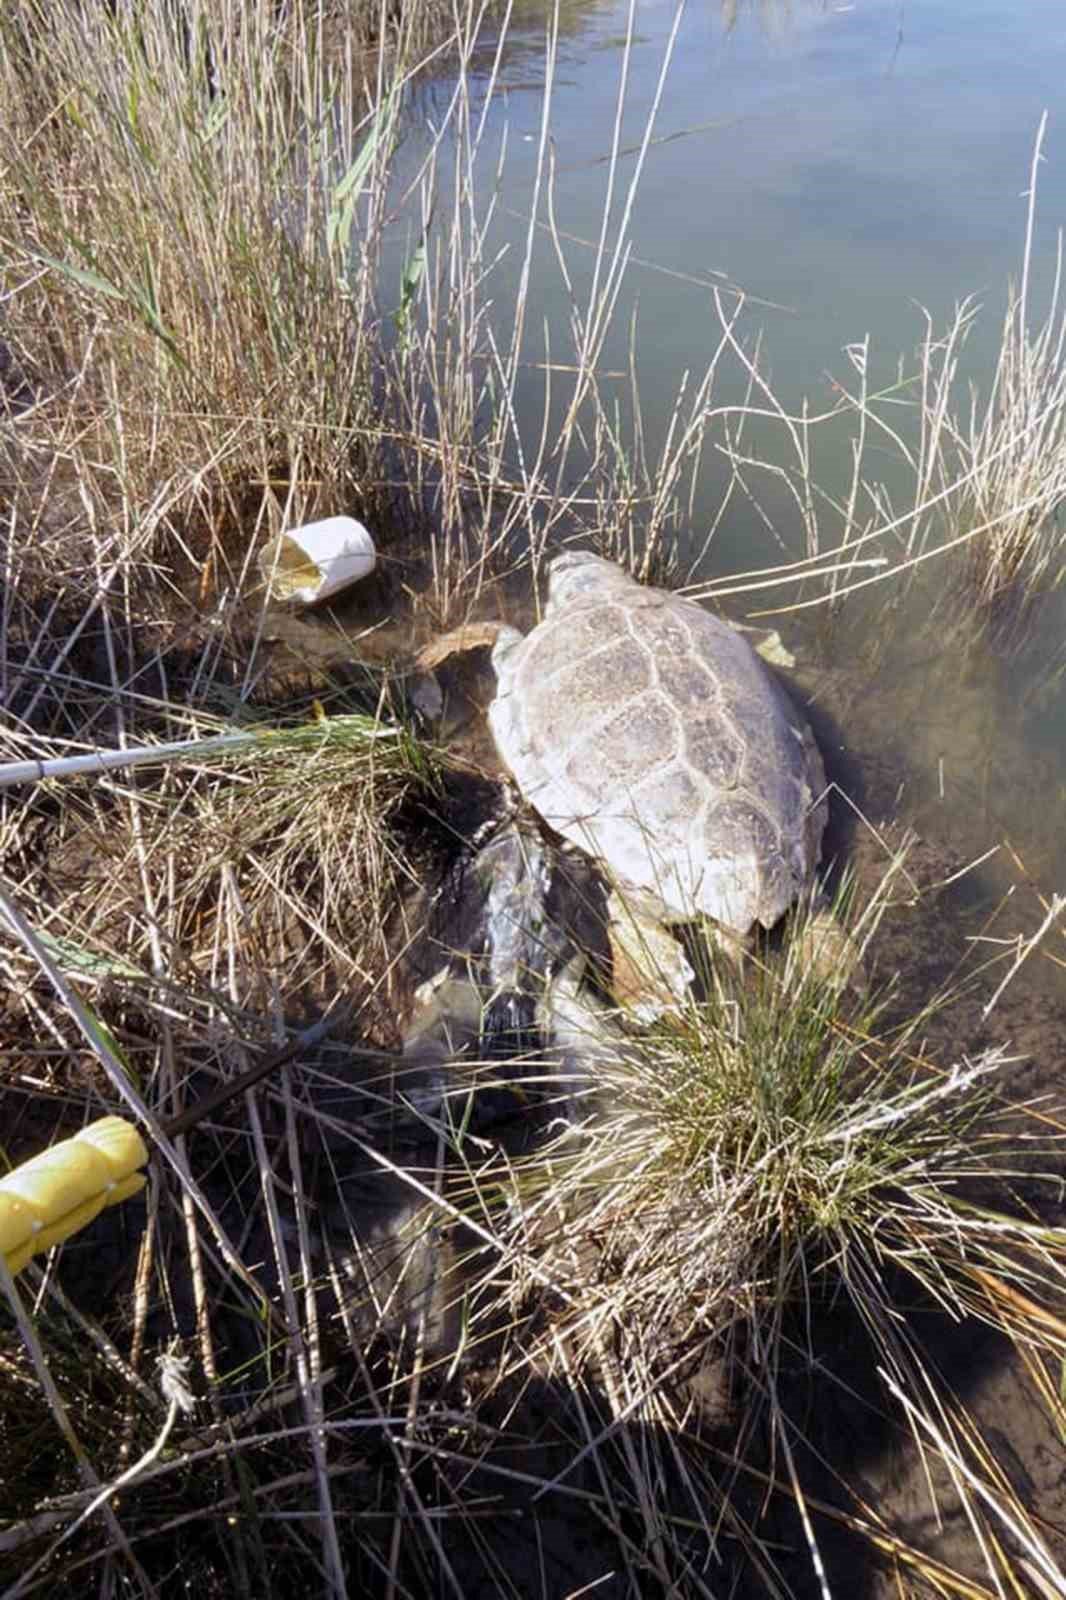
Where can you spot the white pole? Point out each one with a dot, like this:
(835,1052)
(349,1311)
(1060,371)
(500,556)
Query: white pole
(222,744)
(13,772)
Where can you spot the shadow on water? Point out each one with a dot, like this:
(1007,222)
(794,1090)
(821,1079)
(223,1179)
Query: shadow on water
(537,1483)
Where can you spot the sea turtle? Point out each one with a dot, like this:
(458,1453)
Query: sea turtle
(649,732)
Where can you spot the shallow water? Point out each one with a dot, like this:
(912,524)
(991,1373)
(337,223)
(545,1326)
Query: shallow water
(840,164)
(843,164)
(841,161)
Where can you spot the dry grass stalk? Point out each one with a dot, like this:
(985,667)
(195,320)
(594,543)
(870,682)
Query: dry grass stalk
(728,1169)
(196,305)
(507,478)
(182,296)
(1015,446)
(974,483)
(168,922)
(211,342)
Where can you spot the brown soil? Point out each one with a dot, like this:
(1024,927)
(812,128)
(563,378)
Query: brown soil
(924,756)
(936,757)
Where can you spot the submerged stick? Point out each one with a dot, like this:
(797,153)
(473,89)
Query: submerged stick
(1058,904)
(246,1080)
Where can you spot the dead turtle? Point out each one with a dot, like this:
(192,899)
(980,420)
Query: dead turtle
(648,731)
(503,921)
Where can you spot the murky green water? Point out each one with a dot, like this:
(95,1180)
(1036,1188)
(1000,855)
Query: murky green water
(843,162)
(843,165)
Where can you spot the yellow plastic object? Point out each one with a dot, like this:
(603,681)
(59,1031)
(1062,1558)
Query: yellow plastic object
(51,1196)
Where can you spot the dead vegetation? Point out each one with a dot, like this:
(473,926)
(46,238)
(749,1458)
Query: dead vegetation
(411,1347)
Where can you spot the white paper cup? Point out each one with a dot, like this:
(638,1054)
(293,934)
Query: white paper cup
(317,560)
